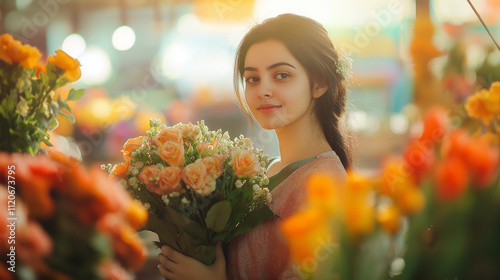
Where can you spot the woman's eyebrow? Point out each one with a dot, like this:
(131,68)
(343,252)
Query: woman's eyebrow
(269,67)
(280,64)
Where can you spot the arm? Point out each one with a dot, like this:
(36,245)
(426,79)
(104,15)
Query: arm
(174,265)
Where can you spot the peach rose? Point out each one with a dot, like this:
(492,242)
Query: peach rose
(120,170)
(150,176)
(65,62)
(172,153)
(131,145)
(245,163)
(206,149)
(197,177)
(190,132)
(213,165)
(170,180)
(168,134)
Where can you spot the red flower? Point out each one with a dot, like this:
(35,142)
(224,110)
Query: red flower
(452,178)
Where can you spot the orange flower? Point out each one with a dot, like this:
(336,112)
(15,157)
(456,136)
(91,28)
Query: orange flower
(323,192)
(493,100)
(477,106)
(150,176)
(172,153)
(131,145)
(245,163)
(396,175)
(435,125)
(398,184)
(40,67)
(136,214)
(305,231)
(65,62)
(359,216)
(452,178)
(197,177)
(213,165)
(12,50)
(170,180)
(390,219)
(410,199)
(120,170)
(419,156)
(32,243)
(168,134)
(206,149)
(483,162)
(456,144)
(37,176)
(190,132)
(129,249)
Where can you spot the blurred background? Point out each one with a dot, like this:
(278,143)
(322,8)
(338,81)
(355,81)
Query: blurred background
(173,60)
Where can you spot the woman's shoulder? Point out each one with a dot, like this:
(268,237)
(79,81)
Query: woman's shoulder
(292,191)
(327,162)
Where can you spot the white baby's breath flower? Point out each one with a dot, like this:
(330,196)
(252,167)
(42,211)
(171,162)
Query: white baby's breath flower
(134,182)
(147,205)
(160,166)
(165,199)
(238,184)
(52,94)
(265,181)
(248,142)
(134,171)
(184,200)
(123,183)
(22,107)
(256,188)
(175,194)
(269,198)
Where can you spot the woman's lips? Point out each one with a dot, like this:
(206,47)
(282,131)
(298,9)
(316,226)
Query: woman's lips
(268,108)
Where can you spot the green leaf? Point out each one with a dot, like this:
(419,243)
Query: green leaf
(47,142)
(218,215)
(67,116)
(252,220)
(75,94)
(53,123)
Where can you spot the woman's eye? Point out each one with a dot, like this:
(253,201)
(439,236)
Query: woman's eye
(281,76)
(250,80)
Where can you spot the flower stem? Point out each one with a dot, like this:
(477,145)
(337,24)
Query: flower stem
(480,19)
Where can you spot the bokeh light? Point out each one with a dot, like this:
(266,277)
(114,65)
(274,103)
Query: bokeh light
(123,38)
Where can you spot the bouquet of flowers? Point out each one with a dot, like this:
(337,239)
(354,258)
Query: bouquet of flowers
(199,187)
(64,221)
(28,104)
(351,229)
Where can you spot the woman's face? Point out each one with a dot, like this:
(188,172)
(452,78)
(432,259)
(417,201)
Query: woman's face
(277,88)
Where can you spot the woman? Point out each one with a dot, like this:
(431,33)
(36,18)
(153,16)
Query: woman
(294,84)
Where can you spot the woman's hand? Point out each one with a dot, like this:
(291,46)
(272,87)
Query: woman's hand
(174,265)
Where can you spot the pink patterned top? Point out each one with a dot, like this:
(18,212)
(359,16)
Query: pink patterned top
(262,253)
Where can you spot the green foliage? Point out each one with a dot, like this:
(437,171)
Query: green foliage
(27,106)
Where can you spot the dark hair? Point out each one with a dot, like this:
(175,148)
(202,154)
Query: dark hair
(308,42)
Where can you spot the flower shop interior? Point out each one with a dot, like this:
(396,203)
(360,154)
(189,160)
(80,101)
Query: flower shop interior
(432,208)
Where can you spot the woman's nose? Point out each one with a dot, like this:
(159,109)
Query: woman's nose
(265,89)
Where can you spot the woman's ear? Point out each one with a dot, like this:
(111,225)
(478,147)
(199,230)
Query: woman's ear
(319,88)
